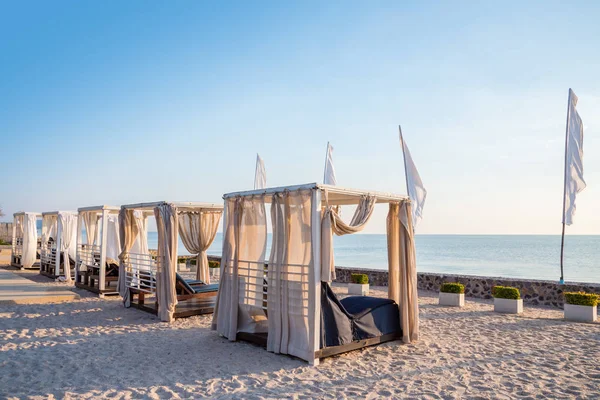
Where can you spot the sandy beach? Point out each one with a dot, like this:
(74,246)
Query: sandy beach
(95,348)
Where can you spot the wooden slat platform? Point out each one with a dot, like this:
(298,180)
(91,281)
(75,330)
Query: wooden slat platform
(184,309)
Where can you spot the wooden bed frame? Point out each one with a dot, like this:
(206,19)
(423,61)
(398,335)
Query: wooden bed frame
(261,340)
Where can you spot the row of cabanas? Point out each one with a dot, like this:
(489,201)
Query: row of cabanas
(283,300)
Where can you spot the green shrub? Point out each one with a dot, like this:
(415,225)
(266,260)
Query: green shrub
(3,243)
(506,292)
(452,287)
(582,298)
(214,264)
(361,279)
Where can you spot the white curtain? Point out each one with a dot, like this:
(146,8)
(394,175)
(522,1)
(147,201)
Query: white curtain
(113,244)
(198,230)
(332,223)
(240,299)
(29,229)
(67,223)
(140,246)
(166,295)
(90,220)
(128,232)
(289,267)
(49,225)
(402,268)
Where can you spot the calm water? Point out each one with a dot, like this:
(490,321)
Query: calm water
(516,256)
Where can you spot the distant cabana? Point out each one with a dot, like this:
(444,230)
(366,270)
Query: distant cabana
(97,265)
(286,303)
(58,248)
(25,246)
(154,282)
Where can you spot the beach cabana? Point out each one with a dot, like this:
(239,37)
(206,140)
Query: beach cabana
(286,303)
(59,237)
(151,281)
(25,245)
(97,265)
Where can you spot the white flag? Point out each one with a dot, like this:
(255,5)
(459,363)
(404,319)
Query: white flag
(574,182)
(329,175)
(414,185)
(260,174)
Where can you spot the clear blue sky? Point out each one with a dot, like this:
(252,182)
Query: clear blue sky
(117,102)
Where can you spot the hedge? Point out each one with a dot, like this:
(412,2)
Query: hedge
(506,292)
(360,279)
(452,287)
(214,264)
(581,298)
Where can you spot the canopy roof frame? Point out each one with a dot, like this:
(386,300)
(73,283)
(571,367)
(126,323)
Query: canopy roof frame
(322,195)
(336,195)
(102,211)
(57,242)
(147,210)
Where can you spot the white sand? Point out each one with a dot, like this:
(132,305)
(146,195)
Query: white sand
(95,348)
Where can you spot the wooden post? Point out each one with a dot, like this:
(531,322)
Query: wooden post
(102,277)
(314,279)
(78,245)
(58,244)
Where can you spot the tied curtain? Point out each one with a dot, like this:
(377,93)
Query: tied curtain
(167,227)
(198,231)
(90,220)
(128,232)
(332,223)
(29,231)
(290,264)
(240,299)
(67,224)
(402,268)
(49,223)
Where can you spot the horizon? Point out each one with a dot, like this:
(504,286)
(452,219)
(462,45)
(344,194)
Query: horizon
(101,108)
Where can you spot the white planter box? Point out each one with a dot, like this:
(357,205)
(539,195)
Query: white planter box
(358,289)
(508,306)
(452,299)
(580,313)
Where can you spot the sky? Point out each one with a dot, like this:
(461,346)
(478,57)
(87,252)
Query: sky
(123,102)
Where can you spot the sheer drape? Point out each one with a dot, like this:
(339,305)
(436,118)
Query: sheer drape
(167,227)
(113,243)
(140,246)
(90,220)
(197,231)
(128,232)
(67,223)
(240,298)
(29,229)
(332,223)
(49,223)
(402,268)
(289,267)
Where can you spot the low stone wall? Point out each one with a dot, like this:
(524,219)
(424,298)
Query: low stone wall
(534,292)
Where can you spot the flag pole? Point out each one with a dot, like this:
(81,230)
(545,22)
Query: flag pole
(562,240)
(404,157)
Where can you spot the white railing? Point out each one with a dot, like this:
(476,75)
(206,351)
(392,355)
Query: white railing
(48,253)
(255,284)
(17,249)
(140,272)
(88,255)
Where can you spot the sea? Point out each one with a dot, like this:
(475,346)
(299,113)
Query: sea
(511,256)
